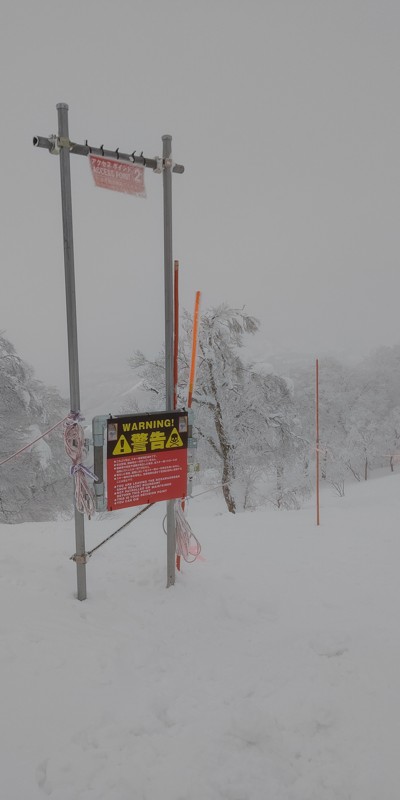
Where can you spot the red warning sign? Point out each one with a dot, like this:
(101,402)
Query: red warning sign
(119,176)
(146,458)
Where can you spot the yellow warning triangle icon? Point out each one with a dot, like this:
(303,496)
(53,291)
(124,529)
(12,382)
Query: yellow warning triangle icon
(174,439)
(122,447)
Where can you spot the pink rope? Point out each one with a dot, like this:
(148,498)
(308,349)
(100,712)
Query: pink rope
(27,446)
(187,545)
(74,443)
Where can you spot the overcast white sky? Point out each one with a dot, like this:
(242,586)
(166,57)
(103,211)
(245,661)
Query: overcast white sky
(286,117)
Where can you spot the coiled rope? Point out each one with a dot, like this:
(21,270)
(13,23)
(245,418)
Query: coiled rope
(74,443)
(187,545)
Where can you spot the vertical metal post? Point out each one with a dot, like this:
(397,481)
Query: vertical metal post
(169,335)
(66,201)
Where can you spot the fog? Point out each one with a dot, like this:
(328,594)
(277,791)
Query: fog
(286,119)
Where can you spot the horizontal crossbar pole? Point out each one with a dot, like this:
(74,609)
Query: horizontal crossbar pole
(48,143)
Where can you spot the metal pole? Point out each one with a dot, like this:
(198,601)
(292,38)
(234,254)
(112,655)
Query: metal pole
(49,143)
(169,335)
(66,201)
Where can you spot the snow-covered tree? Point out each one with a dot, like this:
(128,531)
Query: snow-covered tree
(241,415)
(35,485)
(382,407)
(359,424)
(391,438)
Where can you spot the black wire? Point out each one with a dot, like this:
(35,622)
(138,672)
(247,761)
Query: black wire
(146,508)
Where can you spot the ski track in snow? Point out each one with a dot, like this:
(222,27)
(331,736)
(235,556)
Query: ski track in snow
(269,672)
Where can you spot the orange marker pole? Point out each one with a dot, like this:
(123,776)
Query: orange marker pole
(317,433)
(176,351)
(176,330)
(195,336)
(192,374)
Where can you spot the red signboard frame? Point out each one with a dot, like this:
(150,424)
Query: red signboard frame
(146,458)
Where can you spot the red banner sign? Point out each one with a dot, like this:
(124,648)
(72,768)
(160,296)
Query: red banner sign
(119,176)
(146,458)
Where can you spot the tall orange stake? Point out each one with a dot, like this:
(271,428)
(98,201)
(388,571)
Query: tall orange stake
(176,330)
(317,434)
(195,337)
(192,373)
(176,351)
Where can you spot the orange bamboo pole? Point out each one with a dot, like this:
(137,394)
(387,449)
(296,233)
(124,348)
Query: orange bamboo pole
(192,374)
(176,351)
(176,330)
(195,336)
(317,433)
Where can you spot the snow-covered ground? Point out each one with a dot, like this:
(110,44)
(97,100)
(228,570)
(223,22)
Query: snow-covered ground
(270,671)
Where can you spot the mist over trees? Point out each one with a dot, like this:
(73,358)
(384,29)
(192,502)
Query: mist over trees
(245,419)
(35,485)
(359,414)
(256,427)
